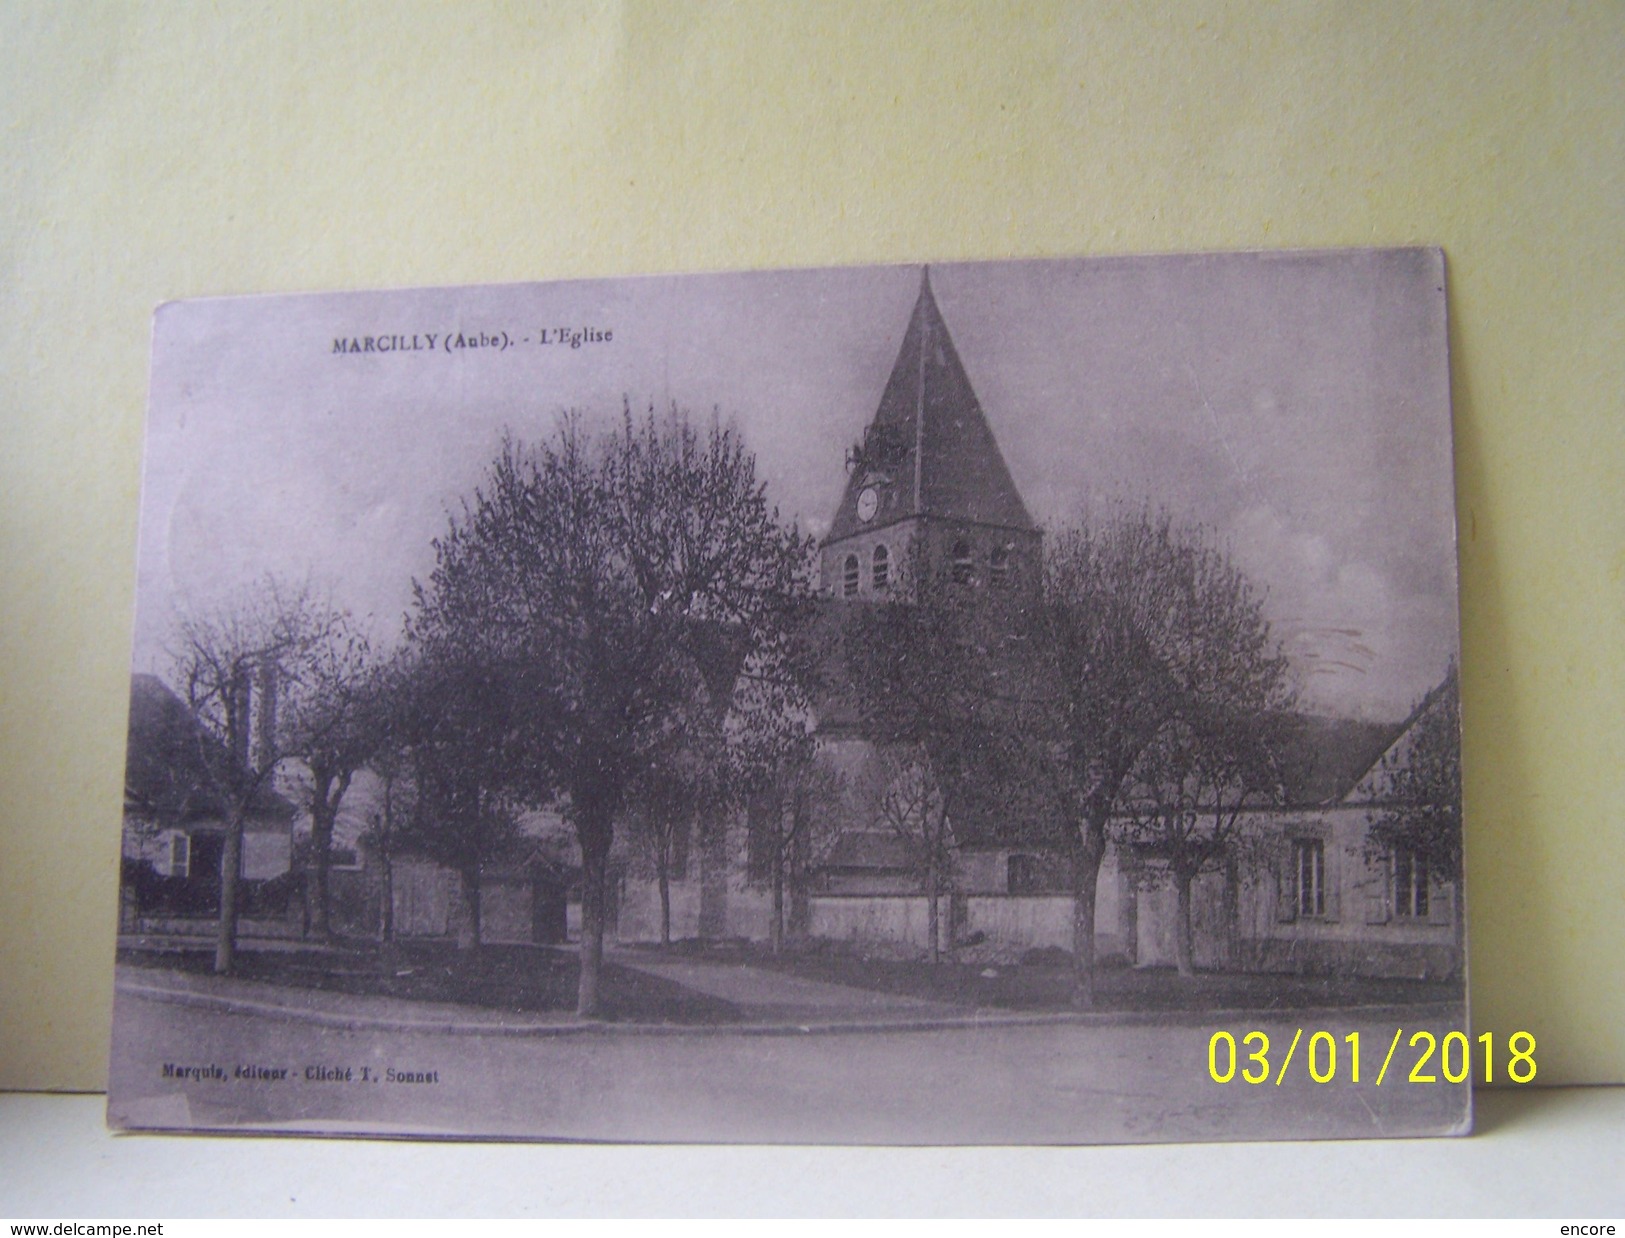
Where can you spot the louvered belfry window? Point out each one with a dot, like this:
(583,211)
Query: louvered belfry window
(999,566)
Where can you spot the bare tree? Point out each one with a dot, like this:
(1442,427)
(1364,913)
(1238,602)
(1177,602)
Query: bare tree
(239,669)
(795,803)
(331,731)
(940,678)
(396,803)
(387,720)
(453,725)
(589,568)
(913,805)
(661,811)
(1143,625)
(1187,805)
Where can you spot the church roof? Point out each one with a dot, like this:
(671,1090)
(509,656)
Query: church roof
(929,445)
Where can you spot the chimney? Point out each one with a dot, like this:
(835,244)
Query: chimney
(265,686)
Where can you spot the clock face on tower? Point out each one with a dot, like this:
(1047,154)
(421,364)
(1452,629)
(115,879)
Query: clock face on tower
(868,504)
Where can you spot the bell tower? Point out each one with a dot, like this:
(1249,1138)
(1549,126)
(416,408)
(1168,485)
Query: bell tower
(927,484)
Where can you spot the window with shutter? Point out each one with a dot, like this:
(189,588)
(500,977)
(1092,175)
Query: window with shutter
(180,855)
(1410,884)
(1310,856)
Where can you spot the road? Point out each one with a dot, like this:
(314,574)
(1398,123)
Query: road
(1049,1083)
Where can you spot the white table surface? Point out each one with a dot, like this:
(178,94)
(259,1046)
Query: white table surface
(1539,1152)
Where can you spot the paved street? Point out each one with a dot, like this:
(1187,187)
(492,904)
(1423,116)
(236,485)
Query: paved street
(1043,1083)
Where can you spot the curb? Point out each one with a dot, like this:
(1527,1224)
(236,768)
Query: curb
(837,1027)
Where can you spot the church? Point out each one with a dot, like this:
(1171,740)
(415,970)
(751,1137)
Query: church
(928,487)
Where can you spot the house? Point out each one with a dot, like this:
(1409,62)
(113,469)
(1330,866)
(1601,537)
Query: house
(523,898)
(1308,887)
(175,825)
(1330,897)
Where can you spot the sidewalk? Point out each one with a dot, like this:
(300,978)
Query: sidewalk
(324,1008)
(769,1002)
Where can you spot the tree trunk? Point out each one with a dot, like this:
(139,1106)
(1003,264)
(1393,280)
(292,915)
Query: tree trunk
(594,838)
(1232,910)
(386,893)
(326,795)
(386,864)
(321,854)
(231,857)
(1087,853)
(713,839)
(776,927)
(231,865)
(665,894)
(1182,923)
(798,908)
(932,881)
(468,927)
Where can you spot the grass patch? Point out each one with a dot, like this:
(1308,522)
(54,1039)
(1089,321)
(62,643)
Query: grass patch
(1047,985)
(520,979)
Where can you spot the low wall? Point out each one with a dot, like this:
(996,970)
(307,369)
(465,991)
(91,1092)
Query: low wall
(1023,920)
(1333,957)
(1012,923)
(749,912)
(209,929)
(889,919)
(639,918)
(505,913)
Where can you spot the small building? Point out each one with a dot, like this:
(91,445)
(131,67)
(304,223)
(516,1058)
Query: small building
(523,897)
(175,826)
(1332,898)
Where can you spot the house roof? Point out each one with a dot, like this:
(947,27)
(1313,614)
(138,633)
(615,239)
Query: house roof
(1370,785)
(869,849)
(1324,759)
(929,443)
(166,772)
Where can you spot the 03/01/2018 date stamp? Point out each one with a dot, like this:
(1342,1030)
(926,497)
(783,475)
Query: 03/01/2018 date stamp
(1431,1059)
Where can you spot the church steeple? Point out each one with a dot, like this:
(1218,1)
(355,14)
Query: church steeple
(928,450)
(928,463)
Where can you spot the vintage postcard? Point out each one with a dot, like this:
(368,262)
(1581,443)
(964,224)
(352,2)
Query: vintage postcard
(994,703)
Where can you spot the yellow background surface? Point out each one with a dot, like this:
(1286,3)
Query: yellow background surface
(163,151)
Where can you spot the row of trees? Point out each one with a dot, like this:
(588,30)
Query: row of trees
(621,626)
(612,625)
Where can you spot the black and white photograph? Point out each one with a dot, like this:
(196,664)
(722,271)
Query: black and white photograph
(953,703)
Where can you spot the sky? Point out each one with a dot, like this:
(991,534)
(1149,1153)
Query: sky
(1295,403)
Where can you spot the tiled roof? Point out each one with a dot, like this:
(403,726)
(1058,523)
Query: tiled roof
(869,849)
(929,445)
(1323,759)
(165,771)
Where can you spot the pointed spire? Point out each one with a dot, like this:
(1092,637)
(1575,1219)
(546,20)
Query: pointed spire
(929,450)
